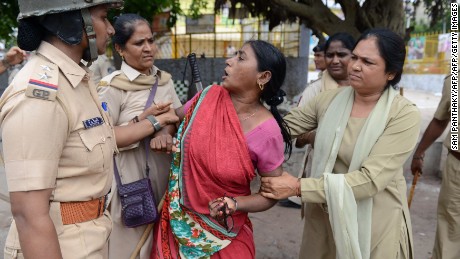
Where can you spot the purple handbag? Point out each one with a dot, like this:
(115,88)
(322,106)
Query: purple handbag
(138,206)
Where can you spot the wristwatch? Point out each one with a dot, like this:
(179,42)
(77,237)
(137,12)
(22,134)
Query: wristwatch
(156,125)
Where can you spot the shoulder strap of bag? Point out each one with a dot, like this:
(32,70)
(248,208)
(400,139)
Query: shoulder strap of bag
(146,139)
(149,102)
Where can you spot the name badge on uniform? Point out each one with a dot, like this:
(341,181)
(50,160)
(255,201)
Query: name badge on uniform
(90,123)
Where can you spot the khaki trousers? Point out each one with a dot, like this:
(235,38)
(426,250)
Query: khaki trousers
(447,241)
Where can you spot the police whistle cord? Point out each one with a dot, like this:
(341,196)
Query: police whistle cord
(147,231)
(196,78)
(412,188)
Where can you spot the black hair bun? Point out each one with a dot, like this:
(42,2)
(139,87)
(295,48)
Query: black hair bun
(30,34)
(277,99)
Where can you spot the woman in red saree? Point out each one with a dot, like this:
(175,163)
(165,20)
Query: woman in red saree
(226,134)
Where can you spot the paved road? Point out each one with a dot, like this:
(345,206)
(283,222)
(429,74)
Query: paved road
(278,231)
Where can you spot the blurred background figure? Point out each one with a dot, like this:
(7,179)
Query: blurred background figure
(14,69)
(14,56)
(101,67)
(320,61)
(446,244)
(230,51)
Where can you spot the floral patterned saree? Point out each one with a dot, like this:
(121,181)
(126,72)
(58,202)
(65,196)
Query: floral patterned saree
(213,161)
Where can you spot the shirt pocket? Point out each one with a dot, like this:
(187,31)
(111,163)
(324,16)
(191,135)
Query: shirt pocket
(96,141)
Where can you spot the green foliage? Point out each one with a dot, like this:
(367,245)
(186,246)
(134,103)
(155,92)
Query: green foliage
(196,7)
(9,11)
(436,10)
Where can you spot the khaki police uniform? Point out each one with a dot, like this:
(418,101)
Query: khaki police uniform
(323,83)
(56,135)
(447,241)
(123,106)
(101,67)
(381,177)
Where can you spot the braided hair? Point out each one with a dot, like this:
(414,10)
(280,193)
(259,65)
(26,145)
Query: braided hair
(269,58)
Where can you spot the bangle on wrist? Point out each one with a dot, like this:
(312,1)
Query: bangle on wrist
(236,203)
(156,125)
(420,157)
(5,63)
(298,193)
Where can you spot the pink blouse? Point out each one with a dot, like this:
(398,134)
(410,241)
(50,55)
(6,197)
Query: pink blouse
(265,144)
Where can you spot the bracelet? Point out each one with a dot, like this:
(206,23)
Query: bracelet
(298,193)
(156,125)
(418,157)
(5,63)
(236,203)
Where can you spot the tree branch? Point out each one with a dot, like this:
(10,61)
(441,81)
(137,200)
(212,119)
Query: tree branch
(350,10)
(318,16)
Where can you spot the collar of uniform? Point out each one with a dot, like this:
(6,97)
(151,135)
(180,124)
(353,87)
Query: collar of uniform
(132,73)
(71,70)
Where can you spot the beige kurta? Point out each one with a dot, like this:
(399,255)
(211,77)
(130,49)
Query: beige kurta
(46,146)
(123,106)
(447,241)
(380,177)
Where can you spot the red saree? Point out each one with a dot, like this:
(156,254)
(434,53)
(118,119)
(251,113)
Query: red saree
(213,161)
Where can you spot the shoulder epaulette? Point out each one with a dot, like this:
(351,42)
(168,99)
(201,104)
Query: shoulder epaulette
(105,81)
(43,82)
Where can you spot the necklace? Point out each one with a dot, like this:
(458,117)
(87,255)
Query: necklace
(254,113)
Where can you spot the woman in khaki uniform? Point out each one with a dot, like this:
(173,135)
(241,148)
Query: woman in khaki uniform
(57,139)
(365,133)
(126,92)
(447,241)
(337,55)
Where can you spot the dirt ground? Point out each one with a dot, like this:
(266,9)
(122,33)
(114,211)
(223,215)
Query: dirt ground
(278,231)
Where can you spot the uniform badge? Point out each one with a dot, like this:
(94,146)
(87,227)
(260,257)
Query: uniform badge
(43,83)
(94,122)
(102,83)
(104,106)
(41,90)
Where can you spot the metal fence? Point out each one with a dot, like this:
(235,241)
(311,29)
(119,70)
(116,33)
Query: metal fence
(217,45)
(428,53)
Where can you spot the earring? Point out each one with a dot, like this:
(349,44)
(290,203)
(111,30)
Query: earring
(121,55)
(261,86)
(390,78)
